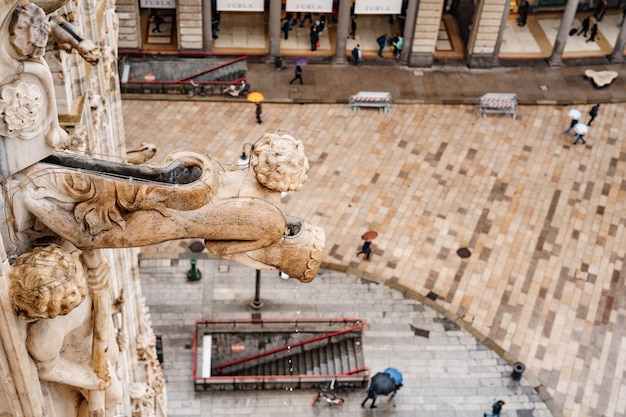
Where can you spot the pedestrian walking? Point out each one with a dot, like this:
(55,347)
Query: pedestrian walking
(584,28)
(594,33)
(381,41)
(297,75)
(496,409)
(353,27)
(600,10)
(523,13)
(371,394)
(315,38)
(258,112)
(215,24)
(157,20)
(593,113)
(573,123)
(580,129)
(398,44)
(286,28)
(356,54)
(579,137)
(366,249)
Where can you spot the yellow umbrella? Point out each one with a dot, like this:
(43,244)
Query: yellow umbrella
(255,97)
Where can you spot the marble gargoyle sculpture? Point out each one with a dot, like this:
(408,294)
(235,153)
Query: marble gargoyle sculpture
(100,204)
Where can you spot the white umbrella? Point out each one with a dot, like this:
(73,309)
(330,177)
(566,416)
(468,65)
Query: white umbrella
(574,114)
(581,128)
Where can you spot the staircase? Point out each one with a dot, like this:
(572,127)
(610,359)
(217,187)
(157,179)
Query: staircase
(289,355)
(169,75)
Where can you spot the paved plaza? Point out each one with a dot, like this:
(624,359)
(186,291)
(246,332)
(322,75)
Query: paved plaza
(447,372)
(544,221)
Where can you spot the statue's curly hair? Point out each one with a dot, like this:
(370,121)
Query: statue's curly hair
(46,282)
(279,162)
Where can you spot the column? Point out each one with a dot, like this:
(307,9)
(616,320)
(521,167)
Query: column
(485,33)
(343,28)
(409,29)
(207,25)
(425,30)
(556,59)
(274,29)
(617,57)
(505,18)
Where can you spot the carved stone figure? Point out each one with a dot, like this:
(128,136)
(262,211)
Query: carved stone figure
(68,39)
(70,337)
(28,115)
(99,204)
(142,154)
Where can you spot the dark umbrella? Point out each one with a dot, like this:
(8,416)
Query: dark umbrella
(382,384)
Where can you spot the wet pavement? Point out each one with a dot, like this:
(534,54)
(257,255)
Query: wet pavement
(544,221)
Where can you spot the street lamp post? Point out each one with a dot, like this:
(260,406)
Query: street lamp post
(257,303)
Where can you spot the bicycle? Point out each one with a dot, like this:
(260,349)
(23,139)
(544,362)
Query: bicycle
(328,394)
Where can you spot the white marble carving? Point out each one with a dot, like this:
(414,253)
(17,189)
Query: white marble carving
(117,205)
(70,336)
(30,128)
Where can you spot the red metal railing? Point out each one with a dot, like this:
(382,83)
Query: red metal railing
(358,324)
(187,79)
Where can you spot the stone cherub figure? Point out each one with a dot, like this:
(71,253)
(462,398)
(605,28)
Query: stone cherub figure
(99,204)
(70,335)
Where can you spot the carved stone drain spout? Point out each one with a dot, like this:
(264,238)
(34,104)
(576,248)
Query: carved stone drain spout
(99,204)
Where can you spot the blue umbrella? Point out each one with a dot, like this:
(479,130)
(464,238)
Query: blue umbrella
(395,374)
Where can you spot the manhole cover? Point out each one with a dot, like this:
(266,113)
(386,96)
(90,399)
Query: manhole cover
(196,246)
(464,253)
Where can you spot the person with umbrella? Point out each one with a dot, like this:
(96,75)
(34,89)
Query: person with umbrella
(256,98)
(580,129)
(575,115)
(366,248)
(297,75)
(383,383)
(298,71)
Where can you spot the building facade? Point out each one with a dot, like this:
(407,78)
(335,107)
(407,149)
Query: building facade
(477,33)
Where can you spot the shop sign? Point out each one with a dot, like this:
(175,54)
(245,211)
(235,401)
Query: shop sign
(158,4)
(237,347)
(378,7)
(240,5)
(315,6)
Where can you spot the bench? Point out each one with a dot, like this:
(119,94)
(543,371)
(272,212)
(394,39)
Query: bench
(497,103)
(378,99)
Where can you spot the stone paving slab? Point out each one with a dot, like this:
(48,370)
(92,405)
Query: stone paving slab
(544,220)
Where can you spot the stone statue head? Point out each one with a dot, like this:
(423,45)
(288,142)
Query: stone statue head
(279,162)
(46,282)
